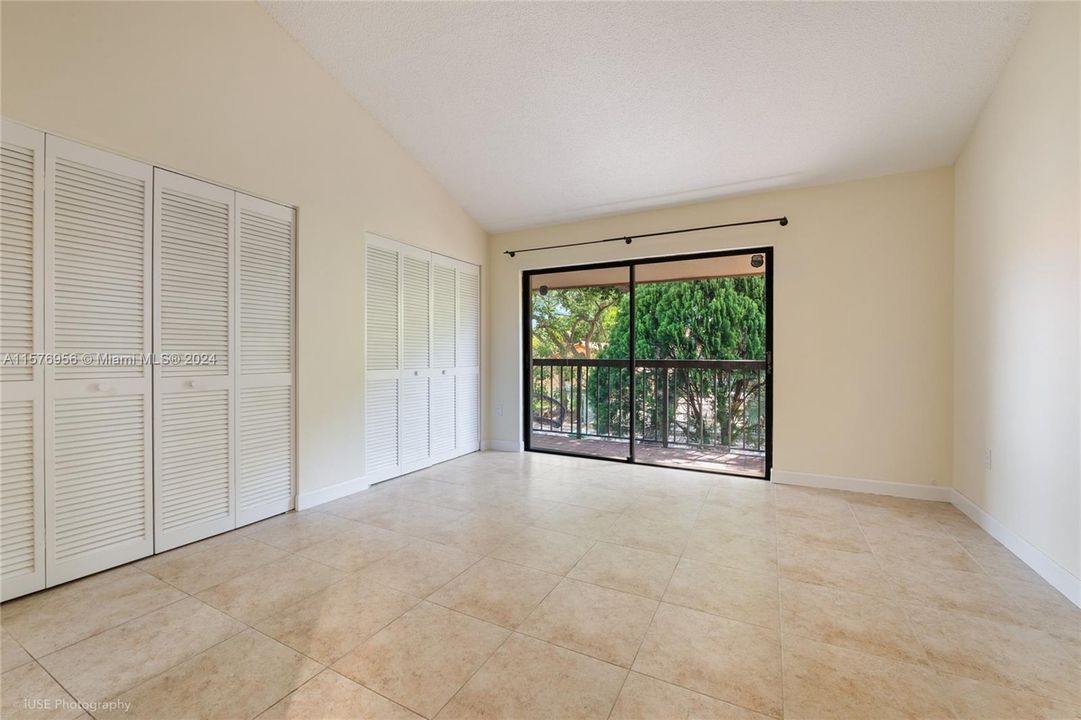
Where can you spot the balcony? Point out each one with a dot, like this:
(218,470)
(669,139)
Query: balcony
(698,414)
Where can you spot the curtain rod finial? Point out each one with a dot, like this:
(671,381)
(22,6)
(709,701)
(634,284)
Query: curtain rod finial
(784,221)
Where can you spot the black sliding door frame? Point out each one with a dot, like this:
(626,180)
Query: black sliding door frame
(527,349)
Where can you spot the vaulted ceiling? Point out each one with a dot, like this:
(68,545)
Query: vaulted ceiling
(533,113)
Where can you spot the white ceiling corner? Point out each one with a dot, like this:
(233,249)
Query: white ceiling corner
(536,112)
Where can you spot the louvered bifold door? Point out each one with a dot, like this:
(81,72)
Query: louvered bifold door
(382,352)
(265,456)
(22,422)
(194,332)
(98,460)
(443,417)
(468,359)
(416,358)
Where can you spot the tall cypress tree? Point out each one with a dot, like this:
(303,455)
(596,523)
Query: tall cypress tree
(713,319)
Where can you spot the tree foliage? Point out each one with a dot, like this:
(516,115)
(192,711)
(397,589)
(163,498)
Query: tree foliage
(715,319)
(574,322)
(710,319)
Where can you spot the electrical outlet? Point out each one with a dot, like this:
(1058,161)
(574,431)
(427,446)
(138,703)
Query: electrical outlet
(988,458)
(499,411)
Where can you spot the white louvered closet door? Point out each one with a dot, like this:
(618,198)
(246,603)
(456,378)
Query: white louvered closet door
(265,457)
(415,405)
(22,428)
(468,359)
(444,415)
(194,332)
(382,338)
(98,461)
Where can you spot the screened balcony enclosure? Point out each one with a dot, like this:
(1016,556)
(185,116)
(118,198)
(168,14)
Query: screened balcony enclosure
(694,393)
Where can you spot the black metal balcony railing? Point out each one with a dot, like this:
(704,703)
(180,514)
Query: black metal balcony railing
(692,403)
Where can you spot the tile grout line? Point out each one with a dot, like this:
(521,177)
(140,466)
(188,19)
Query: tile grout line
(900,605)
(547,594)
(263,712)
(174,666)
(55,680)
(141,615)
(701,505)
(877,562)
(322,667)
(904,608)
(780,607)
(186,594)
(905,613)
(328,668)
(649,625)
(941,674)
(473,674)
(134,566)
(512,631)
(395,619)
(245,626)
(641,641)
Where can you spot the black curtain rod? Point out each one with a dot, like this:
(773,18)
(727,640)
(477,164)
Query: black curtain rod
(782,221)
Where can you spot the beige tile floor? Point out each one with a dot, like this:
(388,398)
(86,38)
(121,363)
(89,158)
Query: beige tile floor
(534,586)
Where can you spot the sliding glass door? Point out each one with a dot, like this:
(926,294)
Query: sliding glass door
(580,379)
(661,361)
(700,363)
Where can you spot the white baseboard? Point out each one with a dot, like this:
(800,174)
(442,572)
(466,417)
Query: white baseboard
(875,487)
(506,445)
(325,495)
(1059,577)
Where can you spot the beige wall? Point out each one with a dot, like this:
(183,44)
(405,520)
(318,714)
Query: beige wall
(862,334)
(220,91)
(1017,295)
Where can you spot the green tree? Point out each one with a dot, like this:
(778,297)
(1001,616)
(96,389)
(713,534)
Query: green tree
(573,322)
(713,319)
(567,323)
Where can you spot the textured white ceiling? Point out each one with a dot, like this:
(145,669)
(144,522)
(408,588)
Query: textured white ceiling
(531,113)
